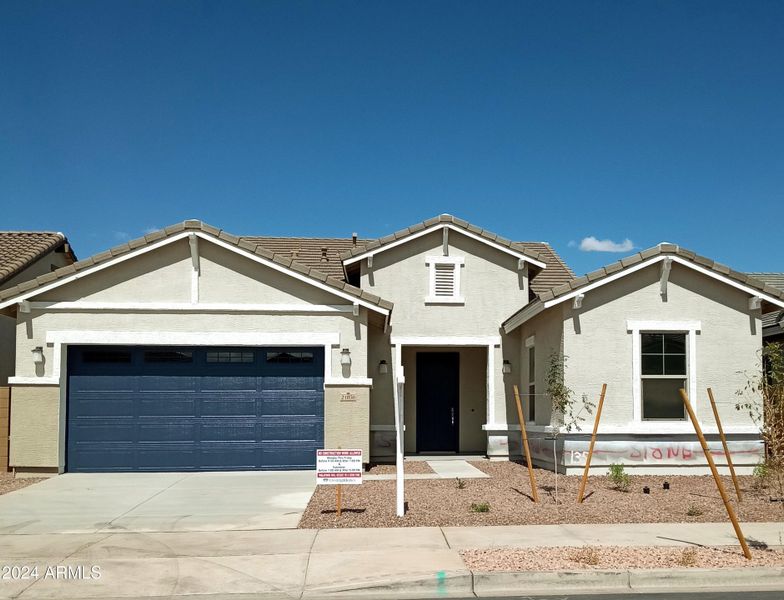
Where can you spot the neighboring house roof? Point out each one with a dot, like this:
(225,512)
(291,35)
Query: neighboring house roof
(777,281)
(316,277)
(322,254)
(635,262)
(419,229)
(20,249)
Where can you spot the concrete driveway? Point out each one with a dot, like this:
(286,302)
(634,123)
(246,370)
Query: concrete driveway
(158,502)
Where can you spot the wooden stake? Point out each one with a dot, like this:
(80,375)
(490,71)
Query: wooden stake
(712,465)
(524,433)
(338,490)
(590,448)
(724,444)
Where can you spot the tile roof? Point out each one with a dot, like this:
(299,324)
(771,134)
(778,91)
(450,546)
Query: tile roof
(324,254)
(318,253)
(404,233)
(639,257)
(557,271)
(19,249)
(194,225)
(777,281)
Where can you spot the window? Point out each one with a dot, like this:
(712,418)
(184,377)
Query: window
(229,357)
(444,276)
(663,372)
(531,384)
(106,356)
(168,356)
(289,357)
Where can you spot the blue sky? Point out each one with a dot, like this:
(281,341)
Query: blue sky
(556,121)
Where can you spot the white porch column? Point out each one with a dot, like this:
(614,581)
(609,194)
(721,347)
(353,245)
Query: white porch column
(399,380)
(497,434)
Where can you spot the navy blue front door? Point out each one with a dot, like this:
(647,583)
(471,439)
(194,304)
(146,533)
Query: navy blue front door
(133,408)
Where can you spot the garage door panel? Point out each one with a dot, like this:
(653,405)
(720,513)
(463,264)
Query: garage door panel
(168,432)
(291,430)
(166,406)
(162,383)
(274,455)
(101,430)
(101,383)
(196,409)
(218,406)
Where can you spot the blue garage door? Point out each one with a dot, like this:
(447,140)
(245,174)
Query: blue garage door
(194,408)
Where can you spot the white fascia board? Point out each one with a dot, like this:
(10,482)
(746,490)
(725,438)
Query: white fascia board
(681,261)
(190,307)
(436,227)
(186,234)
(523,316)
(33,381)
(490,340)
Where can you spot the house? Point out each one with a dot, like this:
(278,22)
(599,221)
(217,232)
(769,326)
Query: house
(193,349)
(23,255)
(772,322)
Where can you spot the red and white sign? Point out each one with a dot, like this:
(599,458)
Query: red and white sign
(335,467)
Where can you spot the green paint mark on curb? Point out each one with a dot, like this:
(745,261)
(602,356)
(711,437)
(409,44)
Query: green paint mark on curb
(441,582)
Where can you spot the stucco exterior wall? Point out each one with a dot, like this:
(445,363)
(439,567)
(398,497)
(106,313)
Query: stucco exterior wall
(547,330)
(491,284)
(35,427)
(599,346)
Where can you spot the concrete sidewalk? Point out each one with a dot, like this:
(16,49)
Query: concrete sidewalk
(403,562)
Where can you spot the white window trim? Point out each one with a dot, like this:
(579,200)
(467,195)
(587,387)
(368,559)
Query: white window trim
(432,261)
(690,328)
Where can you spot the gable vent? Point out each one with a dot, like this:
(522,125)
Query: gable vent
(444,280)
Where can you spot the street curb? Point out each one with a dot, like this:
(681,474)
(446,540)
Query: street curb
(637,580)
(441,584)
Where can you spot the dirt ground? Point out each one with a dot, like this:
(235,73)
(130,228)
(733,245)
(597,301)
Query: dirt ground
(8,483)
(441,502)
(617,557)
(411,467)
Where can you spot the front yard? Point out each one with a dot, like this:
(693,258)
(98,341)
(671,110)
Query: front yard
(506,497)
(8,483)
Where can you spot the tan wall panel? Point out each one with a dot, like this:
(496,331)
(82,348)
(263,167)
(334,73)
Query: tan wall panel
(35,426)
(347,418)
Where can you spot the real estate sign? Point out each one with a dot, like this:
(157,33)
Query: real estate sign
(334,467)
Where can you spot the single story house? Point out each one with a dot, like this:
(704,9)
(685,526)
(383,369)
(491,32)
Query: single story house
(193,349)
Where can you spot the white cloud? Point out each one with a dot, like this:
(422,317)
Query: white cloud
(591,244)
(120,236)
(148,230)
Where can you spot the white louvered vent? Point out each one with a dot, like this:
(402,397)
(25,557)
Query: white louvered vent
(444,281)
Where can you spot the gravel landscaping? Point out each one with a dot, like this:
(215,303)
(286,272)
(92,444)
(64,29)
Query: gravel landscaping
(441,502)
(8,483)
(410,467)
(616,557)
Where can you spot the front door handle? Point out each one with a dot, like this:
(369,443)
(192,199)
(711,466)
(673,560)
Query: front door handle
(452,411)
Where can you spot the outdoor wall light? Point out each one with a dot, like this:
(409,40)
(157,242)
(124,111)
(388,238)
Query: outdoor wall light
(38,355)
(383,367)
(506,368)
(345,357)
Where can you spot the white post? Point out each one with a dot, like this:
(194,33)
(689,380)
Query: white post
(399,381)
